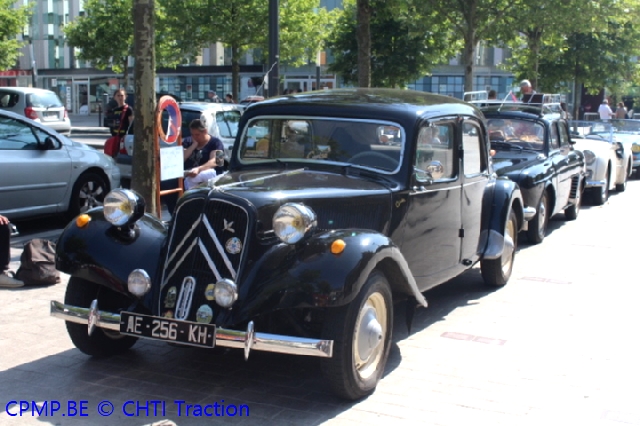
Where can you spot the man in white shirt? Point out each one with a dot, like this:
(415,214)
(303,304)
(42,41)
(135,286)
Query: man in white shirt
(605,111)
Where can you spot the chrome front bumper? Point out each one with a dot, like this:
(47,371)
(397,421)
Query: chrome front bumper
(246,340)
(595,183)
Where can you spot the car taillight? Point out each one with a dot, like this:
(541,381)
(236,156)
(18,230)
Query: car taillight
(30,113)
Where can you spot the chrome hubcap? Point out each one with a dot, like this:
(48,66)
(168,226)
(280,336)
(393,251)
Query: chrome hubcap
(90,196)
(542,217)
(369,336)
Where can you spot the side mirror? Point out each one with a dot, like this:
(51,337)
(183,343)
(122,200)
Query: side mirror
(47,144)
(433,171)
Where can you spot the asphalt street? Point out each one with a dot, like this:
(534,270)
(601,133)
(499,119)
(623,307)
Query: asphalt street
(555,346)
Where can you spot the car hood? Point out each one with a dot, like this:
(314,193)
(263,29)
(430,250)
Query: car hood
(599,147)
(339,201)
(510,162)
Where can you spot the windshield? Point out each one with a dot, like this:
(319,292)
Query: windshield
(598,130)
(517,132)
(377,145)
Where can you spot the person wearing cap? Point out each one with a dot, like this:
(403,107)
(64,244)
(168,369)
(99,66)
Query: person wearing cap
(605,110)
(6,280)
(213,97)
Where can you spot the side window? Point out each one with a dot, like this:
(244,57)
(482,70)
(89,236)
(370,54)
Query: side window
(474,161)
(435,152)
(16,135)
(554,141)
(564,134)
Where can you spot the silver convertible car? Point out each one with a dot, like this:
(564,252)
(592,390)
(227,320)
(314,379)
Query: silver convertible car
(43,172)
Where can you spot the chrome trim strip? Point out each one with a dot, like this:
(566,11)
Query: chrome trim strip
(179,262)
(209,260)
(221,252)
(591,183)
(224,337)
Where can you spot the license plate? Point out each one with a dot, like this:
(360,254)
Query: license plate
(168,329)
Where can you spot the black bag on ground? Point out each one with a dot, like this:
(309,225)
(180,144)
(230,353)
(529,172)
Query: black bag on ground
(37,263)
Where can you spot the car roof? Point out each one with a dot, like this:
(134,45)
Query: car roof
(383,104)
(25,89)
(203,106)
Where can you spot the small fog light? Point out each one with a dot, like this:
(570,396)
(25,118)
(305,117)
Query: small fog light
(138,282)
(225,293)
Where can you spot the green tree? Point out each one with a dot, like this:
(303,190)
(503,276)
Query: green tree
(475,21)
(406,46)
(105,38)
(243,24)
(13,22)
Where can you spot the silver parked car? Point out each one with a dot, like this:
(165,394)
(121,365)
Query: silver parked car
(40,105)
(43,172)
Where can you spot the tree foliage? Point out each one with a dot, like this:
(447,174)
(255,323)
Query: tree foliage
(104,35)
(406,46)
(13,22)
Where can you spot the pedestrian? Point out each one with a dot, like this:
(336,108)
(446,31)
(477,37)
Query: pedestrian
(621,111)
(605,110)
(213,97)
(6,278)
(121,113)
(526,88)
(229,98)
(492,94)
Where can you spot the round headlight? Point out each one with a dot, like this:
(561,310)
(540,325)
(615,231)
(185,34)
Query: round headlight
(225,293)
(635,147)
(122,206)
(589,156)
(138,282)
(292,221)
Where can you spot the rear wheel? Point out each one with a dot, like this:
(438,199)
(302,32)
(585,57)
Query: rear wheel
(101,342)
(361,332)
(496,272)
(538,225)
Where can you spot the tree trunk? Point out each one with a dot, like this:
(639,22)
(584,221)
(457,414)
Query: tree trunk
(363,36)
(235,72)
(468,61)
(144,171)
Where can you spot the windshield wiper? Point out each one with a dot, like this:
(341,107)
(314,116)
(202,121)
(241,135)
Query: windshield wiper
(505,145)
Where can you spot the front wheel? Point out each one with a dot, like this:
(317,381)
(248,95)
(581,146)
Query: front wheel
(538,225)
(496,272)
(361,332)
(601,195)
(101,343)
(88,192)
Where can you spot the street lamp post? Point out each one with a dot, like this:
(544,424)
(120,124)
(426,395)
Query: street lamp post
(274,49)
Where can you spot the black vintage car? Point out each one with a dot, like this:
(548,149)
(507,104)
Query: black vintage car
(531,145)
(336,205)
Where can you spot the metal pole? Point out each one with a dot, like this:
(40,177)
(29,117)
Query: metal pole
(274,49)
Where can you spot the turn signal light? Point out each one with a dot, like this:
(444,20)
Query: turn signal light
(338,246)
(83,220)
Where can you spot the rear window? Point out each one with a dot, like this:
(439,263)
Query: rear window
(43,100)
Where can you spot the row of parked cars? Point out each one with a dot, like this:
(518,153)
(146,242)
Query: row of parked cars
(337,208)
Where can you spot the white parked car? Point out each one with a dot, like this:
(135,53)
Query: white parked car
(221,121)
(608,162)
(40,105)
(43,172)
(628,133)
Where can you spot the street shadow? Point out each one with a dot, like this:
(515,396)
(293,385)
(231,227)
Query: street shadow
(277,389)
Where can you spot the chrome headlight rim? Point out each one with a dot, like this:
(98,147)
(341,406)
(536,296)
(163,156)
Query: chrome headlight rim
(138,282)
(293,221)
(123,207)
(225,293)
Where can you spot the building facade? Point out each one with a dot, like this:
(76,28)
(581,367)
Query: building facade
(48,62)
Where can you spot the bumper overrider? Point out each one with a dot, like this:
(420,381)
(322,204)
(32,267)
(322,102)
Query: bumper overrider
(246,340)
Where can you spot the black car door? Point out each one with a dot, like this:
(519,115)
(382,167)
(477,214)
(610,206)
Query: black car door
(431,242)
(475,176)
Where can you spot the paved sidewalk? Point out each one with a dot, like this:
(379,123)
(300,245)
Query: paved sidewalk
(91,123)
(555,347)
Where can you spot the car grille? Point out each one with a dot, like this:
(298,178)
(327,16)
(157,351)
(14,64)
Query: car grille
(207,243)
(574,187)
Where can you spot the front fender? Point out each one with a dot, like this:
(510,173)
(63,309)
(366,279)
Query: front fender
(309,275)
(104,254)
(506,197)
